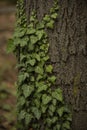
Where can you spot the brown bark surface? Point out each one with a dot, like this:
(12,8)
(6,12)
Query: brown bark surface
(68,52)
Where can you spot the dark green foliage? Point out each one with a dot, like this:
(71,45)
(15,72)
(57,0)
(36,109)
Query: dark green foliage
(38,104)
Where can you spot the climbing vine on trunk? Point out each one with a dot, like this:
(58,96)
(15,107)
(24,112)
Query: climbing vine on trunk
(40,105)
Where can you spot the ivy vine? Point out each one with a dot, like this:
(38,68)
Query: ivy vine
(39,106)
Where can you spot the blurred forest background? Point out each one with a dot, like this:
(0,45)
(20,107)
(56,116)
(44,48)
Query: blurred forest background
(8,72)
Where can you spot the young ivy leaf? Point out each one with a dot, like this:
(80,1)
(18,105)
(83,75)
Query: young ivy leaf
(21,115)
(60,111)
(36,112)
(28,118)
(27,90)
(33,39)
(31,31)
(66,125)
(22,101)
(24,41)
(42,88)
(22,57)
(22,77)
(46,58)
(50,24)
(40,26)
(37,56)
(46,18)
(46,99)
(32,78)
(39,70)
(57,94)
(43,108)
(37,102)
(58,127)
(49,68)
(52,79)
(40,34)
(54,15)
(52,108)
(32,62)
(54,119)
(39,77)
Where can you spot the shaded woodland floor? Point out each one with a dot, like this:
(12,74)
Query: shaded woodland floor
(7,92)
(7,72)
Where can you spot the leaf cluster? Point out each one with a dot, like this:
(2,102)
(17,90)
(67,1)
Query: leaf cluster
(38,104)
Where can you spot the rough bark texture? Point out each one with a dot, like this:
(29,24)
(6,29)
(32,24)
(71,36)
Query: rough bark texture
(68,53)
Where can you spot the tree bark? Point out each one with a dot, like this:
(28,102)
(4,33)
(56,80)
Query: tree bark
(68,52)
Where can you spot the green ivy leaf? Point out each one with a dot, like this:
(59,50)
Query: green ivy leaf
(37,56)
(66,125)
(32,62)
(49,68)
(28,118)
(52,108)
(57,8)
(32,78)
(33,39)
(27,90)
(21,101)
(37,103)
(22,57)
(54,119)
(52,10)
(32,18)
(39,70)
(39,84)
(43,108)
(40,34)
(31,25)
(50,24)
(20,32)
(31,31)
(21,115)
(36,112)
(46,99)
(54,15)
(57,94)
(42,47)
(54,101)
(40,26)
(24,41)
(46,58)
(42,88)
(50,113)
(60,111)
(46,18)
(42,54)
(39,77)
(17,41)
(58,127)
(49,122)
(52,79)
(30,68)
(22,77)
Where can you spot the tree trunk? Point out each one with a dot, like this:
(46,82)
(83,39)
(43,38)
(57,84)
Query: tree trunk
(68,52)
